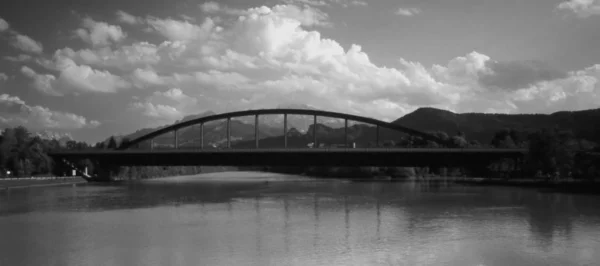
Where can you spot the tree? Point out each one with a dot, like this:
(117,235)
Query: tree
(505,138)
(112,143)
(459,142)
(100,145)
(124,142)
(549,153)
(442,135)
(474,144)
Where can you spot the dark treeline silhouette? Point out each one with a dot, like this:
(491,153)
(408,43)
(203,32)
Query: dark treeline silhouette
(552,153)
(23,154)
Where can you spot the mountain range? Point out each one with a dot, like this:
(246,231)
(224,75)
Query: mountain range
(475,126)
(585,124)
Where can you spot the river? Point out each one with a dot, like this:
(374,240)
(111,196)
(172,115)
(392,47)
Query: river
(271,219)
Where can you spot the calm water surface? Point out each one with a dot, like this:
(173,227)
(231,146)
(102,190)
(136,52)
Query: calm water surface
(241,219)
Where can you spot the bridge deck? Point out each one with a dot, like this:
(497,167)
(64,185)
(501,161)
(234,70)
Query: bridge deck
(296,150)
(298,157)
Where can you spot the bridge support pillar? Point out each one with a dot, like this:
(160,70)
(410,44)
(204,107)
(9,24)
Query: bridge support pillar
(176,140)
(345,133)
(315,132)
(229,132)
(285,130)
(256,130)
(201,136)
(104,172)
(519,162)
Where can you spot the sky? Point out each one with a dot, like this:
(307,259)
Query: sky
(99,68)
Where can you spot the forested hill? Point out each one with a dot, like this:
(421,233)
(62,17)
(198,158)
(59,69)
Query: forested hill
(482,127)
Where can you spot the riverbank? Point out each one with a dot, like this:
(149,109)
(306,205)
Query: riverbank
(14,183)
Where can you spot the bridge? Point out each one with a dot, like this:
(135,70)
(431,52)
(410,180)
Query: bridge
(132,154)
(299,157)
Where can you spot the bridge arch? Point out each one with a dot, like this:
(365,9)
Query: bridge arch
(307,112)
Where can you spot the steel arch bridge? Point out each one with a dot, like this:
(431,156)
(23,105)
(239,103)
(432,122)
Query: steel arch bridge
(285,112)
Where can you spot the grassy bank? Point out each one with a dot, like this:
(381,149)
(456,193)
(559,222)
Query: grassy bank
(38,182)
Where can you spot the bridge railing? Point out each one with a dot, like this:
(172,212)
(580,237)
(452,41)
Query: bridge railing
(309,150)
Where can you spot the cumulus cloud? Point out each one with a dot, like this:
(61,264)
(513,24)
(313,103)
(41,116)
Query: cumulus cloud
(21,41)
(126,58)
(127,18)
(166,107)
(583,8)
(3,25)
(307,15)
(100,33)
(160,111)
(518,74)
(74,78)
(408,12)
(19,58)
(343,3)
(213,7)
(15,112)
(268,55)
(3,77)
(42,83)
(143,78)
(25,43)
(177,30)
(177,96)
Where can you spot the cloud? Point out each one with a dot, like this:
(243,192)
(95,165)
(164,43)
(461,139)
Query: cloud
(408,12)
(176,95)
(3,77)
(143,78)
(307,15)
(100,33)
(19,58)
(166,107)
(42,83)
(75,78)
(583,8)
(177,30)
(269,55)
(20,41)
(163,112)
(127,18)
(3,25)
(343,3)
(307,2)
(14,112)
(518,74)
(126,58)
(212,7)
(25,43)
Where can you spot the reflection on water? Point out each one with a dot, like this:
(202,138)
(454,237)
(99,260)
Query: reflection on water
(286,221)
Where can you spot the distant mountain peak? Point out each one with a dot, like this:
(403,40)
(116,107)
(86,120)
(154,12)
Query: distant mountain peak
(50,135)
(483,126)
(196,116)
